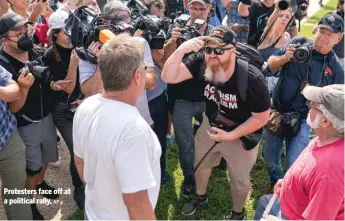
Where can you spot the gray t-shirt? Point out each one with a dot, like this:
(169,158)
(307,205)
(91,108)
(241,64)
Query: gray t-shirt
(86,71)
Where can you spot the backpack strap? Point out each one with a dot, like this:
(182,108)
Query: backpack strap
(242,78)
(4,59)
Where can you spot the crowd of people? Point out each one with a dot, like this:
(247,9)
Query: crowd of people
(246,79)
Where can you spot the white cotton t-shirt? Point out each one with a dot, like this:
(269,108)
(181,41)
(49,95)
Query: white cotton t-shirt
(121,154)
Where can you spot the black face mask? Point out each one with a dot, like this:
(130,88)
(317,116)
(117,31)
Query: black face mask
(25,43)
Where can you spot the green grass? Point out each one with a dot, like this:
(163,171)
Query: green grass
(308,26)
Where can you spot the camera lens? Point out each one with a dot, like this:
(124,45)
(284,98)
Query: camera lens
(283,4)
(301,55)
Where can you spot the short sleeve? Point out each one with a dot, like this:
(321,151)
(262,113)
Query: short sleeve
(147,54)
(257,98)
(86,70)
(5,77)
(331,194)
(134,153)
(195,63)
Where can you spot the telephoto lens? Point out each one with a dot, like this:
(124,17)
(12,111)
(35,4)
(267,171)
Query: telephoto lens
(284,4)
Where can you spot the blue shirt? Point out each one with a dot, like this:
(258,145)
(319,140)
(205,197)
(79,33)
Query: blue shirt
(7,120)
(293,75)
(160,86)
(234,17)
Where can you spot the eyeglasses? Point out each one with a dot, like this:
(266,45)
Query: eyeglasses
(216,51)
(311,105)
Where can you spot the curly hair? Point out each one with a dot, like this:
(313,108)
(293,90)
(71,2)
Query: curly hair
(53,39)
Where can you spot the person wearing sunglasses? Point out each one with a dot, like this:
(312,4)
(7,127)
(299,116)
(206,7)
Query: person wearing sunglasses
(320,69)
(218,69)
(313,187)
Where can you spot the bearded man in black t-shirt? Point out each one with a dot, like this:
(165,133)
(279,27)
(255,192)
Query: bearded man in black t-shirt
(219,68)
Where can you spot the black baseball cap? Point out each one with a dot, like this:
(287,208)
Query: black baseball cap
(11,22)
(222,35)
(333,22)
(204,2)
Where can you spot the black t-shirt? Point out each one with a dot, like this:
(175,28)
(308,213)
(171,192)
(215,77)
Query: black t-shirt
(32,106)
(189,90)
(59,71)
(258,16)
(234,108)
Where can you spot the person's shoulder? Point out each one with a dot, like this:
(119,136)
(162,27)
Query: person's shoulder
(256,3)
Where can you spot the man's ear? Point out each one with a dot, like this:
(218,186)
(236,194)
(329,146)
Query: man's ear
(136,77)
(340,37)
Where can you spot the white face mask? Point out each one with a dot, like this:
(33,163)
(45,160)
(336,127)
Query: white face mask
(316,123)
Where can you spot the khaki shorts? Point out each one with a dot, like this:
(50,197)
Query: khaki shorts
(240,161)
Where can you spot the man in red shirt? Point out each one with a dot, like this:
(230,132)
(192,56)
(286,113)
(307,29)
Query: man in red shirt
(313,188)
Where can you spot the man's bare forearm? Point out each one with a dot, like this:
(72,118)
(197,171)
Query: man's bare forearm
(10,92)
(171,67)
(79,164)
(277,62)
(17,105)
(251,125)
(139,206)
(93,85)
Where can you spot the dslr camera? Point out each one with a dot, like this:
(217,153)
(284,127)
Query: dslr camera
(188,31)
(154,29)
(40,73)
(303,52)
(83,27)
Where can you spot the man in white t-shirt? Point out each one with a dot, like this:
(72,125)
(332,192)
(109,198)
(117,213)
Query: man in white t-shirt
(116,152)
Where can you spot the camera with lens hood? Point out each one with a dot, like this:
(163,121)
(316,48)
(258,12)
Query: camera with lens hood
(188,31)
(303,51)
(41,73)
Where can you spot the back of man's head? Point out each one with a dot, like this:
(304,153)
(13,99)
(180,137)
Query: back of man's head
(111,9)
(118,61)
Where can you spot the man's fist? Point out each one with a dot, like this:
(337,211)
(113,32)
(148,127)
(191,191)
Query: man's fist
(25,80)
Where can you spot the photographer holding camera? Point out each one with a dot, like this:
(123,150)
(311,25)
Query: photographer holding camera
(302,62)
(222,74)
(63,63)
(33,111)
(258,12)
(12,148)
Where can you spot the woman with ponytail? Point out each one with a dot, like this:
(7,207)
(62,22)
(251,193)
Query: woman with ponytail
(63,63)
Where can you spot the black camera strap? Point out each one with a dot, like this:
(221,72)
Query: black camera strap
(218,100)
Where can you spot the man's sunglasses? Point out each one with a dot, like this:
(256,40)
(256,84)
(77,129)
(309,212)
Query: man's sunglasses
(216,51)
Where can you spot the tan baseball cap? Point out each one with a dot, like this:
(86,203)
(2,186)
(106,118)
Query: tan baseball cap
(331,96)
